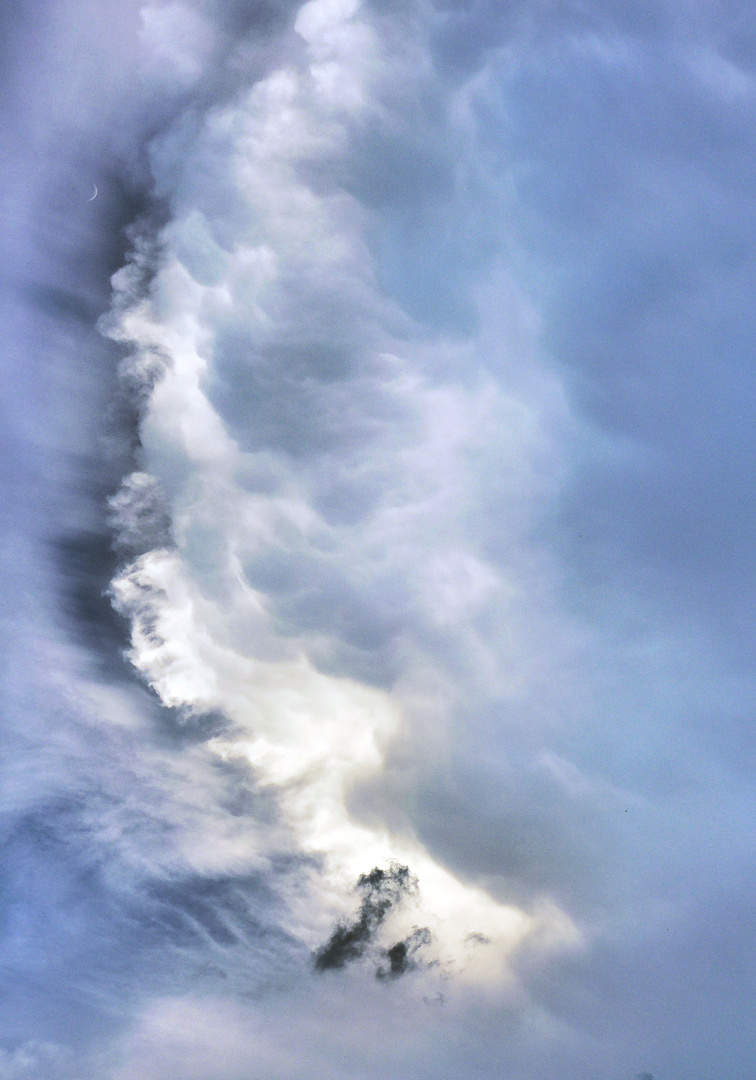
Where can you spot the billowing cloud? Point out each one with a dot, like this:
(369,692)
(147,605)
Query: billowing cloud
(317,467)
(381,890)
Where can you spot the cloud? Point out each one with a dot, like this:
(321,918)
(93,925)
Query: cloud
(381,891)
(139,517)
(401,955)
(178,36)
(33,1057)
(317,454)
(430,333)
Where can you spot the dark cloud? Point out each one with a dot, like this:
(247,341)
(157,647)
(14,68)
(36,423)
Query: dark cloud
(400,957)
(87,564)
(381,890)
(251,19)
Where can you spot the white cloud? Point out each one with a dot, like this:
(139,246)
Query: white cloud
(322,479)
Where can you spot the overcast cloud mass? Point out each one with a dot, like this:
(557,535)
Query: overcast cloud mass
(378,540)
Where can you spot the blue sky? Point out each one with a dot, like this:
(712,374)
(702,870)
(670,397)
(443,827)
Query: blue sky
(378,445)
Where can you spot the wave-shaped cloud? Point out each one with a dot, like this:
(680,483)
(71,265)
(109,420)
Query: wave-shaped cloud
(317,462)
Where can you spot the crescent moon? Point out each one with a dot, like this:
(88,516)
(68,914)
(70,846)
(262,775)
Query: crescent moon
(94,193)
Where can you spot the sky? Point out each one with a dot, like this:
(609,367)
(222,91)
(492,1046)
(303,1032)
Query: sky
(377,540)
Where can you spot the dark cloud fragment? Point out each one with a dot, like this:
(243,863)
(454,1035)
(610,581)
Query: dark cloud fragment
(401,956)
(476,938)
(381,891)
